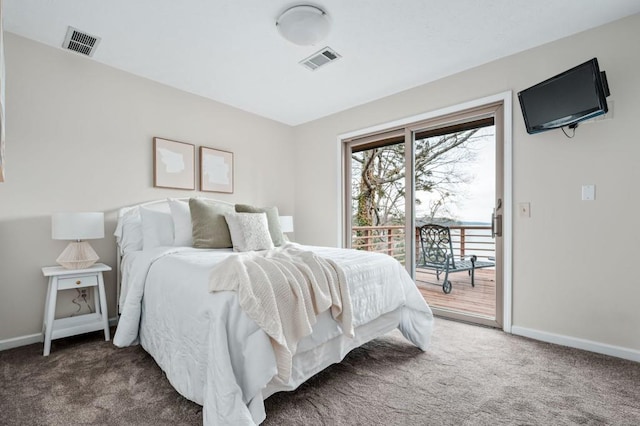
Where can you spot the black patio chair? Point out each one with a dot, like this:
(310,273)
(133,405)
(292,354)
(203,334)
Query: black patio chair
(437,254)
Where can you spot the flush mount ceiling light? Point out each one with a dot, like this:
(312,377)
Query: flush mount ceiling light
(303,25)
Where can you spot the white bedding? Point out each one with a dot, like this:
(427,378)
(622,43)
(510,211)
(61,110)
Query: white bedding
(213,354)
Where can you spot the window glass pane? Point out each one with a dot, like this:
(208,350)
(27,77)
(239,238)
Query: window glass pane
(378,199)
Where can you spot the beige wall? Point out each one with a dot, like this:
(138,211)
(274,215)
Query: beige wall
(574,270)
(79,138)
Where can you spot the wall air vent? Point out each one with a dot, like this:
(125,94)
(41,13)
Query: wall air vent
(80,42)
(320,58)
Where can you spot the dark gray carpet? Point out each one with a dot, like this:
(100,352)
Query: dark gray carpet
(471,376)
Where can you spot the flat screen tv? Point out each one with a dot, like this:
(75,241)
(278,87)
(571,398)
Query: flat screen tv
(564,100)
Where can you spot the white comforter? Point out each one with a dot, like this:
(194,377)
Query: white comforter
(213,354)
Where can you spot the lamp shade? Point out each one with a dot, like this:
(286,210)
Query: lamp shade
(303,25)
(286,223)
(77,226)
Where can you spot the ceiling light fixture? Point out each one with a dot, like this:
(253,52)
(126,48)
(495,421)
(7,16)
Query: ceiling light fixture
(303,25)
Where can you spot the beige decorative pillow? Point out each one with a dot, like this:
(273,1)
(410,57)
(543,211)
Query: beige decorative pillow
(273,219)
(249,231)
(209,228)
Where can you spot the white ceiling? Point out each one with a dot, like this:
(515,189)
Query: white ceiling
(230,50)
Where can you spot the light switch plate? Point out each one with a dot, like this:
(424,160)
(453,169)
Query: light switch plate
(588,192)
(524,209)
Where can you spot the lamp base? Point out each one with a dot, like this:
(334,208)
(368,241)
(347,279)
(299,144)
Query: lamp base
(77,255)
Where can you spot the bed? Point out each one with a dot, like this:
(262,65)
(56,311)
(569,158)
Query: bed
(210,349)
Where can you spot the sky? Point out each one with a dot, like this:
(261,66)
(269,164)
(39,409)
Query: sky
(477,197)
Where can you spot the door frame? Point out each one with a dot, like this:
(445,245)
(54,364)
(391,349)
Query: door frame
(507,185)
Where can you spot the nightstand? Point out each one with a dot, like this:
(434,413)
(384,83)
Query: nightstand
(64,279)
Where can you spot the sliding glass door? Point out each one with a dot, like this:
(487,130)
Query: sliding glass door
(456,189)
(445,171)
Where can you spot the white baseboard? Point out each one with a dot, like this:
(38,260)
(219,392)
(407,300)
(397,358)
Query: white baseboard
(558,339)
(15,342)
(574,342)
(30,339)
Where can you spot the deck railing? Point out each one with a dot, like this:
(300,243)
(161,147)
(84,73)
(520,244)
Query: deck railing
(389,239)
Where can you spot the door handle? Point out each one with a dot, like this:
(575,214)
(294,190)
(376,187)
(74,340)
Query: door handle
(496,224)
(496,220)
(493,223)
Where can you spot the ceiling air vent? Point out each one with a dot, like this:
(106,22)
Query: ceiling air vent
(80,42)
(320,58)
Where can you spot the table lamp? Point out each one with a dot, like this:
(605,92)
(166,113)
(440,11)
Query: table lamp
(77,227)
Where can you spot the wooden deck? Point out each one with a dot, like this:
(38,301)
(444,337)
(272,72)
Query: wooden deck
(480,299)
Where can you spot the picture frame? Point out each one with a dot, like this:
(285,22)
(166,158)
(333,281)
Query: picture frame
(216,170)
(174,164)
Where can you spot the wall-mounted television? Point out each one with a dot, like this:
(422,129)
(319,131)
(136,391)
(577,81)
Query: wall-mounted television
(564,100)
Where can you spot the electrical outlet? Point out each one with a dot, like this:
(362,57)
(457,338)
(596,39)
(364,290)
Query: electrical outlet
(85,294)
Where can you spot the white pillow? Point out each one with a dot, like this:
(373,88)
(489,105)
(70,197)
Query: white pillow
(249,231)
(181,215)
(157,228)
(129,231)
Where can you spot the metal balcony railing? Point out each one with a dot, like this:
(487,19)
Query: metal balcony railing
(389,239)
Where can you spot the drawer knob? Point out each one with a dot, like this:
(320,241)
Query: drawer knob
(78,282)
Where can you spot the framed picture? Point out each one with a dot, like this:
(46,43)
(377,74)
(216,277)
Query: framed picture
(174,164)
(216,170)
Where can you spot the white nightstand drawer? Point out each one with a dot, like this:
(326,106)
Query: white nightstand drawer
(77,282)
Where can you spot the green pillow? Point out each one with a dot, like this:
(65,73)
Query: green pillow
(209,228)
(273,219)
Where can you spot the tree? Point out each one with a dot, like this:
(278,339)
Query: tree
(378,182)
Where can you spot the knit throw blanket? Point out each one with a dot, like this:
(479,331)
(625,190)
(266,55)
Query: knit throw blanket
(283,290)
